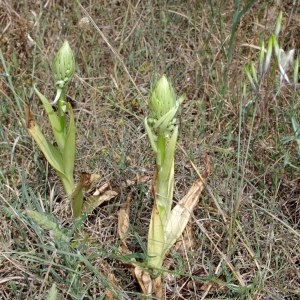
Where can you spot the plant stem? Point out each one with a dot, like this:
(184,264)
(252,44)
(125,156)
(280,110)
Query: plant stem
(61,105)
(160,156)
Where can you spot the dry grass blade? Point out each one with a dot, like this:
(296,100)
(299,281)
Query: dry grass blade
(229,264)
(123,220)
(248,241)
(144,280)
(111,48)
(142,276)
(109,295)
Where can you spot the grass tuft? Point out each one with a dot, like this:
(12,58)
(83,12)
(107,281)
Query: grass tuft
(243,241)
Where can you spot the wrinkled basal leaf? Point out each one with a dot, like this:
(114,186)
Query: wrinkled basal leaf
(105,192)
(45,223)
(157,287)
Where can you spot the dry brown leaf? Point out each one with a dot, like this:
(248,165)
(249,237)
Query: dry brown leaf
(137,180)
(144,280)
(187,241)
(181,213)
(107,191)
(123,219)
(157,287)
(109,295)
(94,201)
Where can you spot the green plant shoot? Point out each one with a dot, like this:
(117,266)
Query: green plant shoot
(62,156)
(162,132)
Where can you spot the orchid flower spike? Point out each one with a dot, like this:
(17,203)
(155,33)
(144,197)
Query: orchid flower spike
(63,65)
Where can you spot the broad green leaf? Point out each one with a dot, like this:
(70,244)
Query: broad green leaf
(57,129)
(52,155)
(69,147)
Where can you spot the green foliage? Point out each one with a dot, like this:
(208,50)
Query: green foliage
(47,224)
(249,127)
(162,133)
(62,157)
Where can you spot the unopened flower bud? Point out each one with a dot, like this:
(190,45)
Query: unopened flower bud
(63,65)
(163,98)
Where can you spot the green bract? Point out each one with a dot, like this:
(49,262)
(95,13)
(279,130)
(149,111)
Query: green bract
(160,124)
(163,98)
(63,65)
